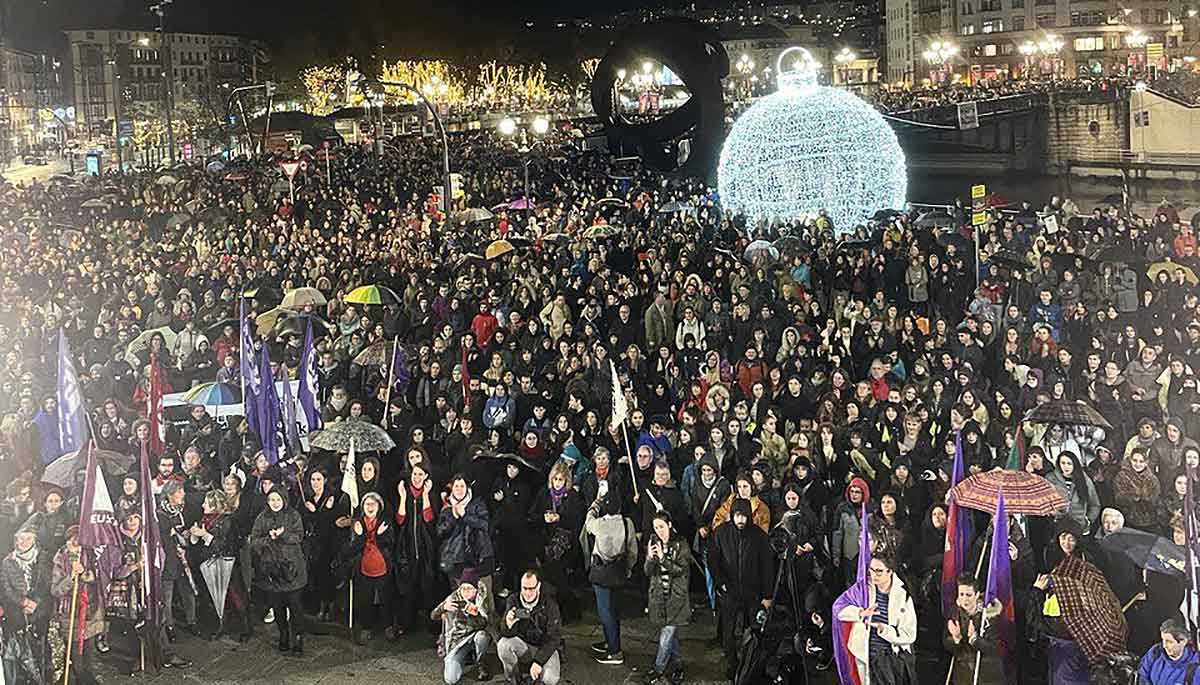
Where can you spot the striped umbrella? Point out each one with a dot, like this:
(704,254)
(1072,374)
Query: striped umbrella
(213,395)
(1024,493)
(372,294)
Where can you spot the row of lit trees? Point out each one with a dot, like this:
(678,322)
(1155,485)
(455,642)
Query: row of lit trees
(490,85)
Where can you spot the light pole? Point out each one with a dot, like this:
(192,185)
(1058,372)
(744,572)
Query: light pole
(539,126)
(1050,47)
(1137,40)
(844,59)
(437,120)
(745,67)
(940,53)
(168,77)
(1028,49)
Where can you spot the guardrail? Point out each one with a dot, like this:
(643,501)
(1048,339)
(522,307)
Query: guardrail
(1135,158)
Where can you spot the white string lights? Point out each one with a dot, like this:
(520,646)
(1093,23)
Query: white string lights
(809,147)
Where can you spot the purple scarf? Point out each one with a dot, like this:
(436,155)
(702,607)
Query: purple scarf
(556,497)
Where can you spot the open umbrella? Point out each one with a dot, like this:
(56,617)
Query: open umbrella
(297,298)
(474,215)
(1114,199)
(1011,259)
(885,215)
(1170,267)
(217,572)
(377,353)
(139,345)
(70,237)
(214,394)
(1146,550)
(61,471)
(372,294)
(336,437)
(509,457)
(789,246)
(676,207)
(1024,493)
(611,202)
(94,203)
(556,238)
(214,216)
(177,220)
(235,176)
(599,231)
(937,217)
(520,203)
(277,318)
(167,180)
(1068,413)
(1073,261)
(215,167)
(498,248)
(760,249)
(958,240)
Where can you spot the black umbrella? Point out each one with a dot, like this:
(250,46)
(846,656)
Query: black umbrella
(1073,261)
(886,214)
(1069,413)
(1010,259)
(1147,550)
(510,458)
(958,240)
(1114,199)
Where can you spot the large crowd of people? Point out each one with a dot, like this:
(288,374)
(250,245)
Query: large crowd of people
(613,414)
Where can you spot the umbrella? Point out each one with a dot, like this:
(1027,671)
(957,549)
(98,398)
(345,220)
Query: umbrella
(1146,550)
(61,471)
(1114,199)
(273,318)
(372,294)
(215,167)
(215,394)
(599,231)
(214,216)
(557,238)
(519,241)
(960,243)
(1068,413)
(498,248)
(70,237)
(864,244)
(298,297)
(937,217)
(1012,259)
(94,203)
(789,246)
(1071,260)
(1170,267)
(141,344)
(509,457)
(167,180)
(235,176)
(217,572)
(474,215)
(377,353)
(177,220)
(1024,493)
(519,203)
(676,207)
(611,202)
(760,249)
(336,437)
(885,214)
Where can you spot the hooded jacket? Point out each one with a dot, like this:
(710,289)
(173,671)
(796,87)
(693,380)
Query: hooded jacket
(847,521)
(279,563)
(458,626)
(741,561)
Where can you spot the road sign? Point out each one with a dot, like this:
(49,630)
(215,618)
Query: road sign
(978,218)
(968,115)
(290,168)
(978,192)
(125,129)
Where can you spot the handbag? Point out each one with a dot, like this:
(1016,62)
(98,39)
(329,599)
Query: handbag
(558,544)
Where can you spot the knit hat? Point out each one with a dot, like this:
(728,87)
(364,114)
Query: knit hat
(572,454)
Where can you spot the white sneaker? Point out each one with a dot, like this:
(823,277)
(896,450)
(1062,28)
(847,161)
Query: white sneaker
(270,617)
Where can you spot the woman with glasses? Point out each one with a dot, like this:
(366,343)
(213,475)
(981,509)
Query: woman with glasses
(882,633)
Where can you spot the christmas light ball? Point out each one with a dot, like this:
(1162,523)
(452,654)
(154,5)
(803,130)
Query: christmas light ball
(809,147)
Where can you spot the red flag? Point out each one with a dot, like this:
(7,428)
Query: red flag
(466,381)
(154,411)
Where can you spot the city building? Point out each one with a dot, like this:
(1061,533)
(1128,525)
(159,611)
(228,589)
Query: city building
(30,92)
(102,61)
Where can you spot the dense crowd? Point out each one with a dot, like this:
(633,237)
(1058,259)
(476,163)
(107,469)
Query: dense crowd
(908,99)
(766,402)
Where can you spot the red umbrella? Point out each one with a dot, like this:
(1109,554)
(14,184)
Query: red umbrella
(1024,493)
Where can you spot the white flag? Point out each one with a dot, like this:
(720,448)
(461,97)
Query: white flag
(350,478)
(620,410)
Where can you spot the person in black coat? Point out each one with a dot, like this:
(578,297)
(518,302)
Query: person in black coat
(173,525)
(369,561)
(557,516)
(416,553)
(323,509)
(743,569)
(210,539)
(509,497)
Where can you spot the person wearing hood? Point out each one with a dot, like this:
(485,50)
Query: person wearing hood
(510,497)
(464,639)
(611,555)
(743,572)
(744,490)
(1172,661)
(847,521)
(798,526)
(809,486)
(1137,492)
(280,571)
(368,555)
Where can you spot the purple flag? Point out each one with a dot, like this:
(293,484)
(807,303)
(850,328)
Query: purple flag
(98,523)
(153,556)
(268,409)
(999,587)
(858,595)
(251,381)
(1191,530)
(401,374)
(307,375)
(959,531)
(291,431)
(72,424)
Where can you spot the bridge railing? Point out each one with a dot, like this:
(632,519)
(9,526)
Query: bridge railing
(947,114)
(1107,157)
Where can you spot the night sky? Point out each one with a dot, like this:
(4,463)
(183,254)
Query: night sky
(309,31)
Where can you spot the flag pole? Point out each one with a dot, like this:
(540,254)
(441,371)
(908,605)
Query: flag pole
(387,398)
(71,630)
(632,473)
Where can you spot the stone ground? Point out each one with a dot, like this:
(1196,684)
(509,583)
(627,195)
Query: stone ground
(333,659)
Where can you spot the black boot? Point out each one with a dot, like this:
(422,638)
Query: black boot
(285,642)
(298,645)
(247,627)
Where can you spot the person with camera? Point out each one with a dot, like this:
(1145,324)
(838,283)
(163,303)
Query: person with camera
(464,639)
(669,569)
(531,634)
(743,571)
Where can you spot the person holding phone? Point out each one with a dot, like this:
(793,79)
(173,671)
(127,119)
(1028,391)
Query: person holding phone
(464,639)
(669,568)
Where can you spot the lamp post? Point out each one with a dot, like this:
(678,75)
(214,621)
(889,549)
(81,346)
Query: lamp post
(844,59)
(1028,49)
(539,126)
(1050,47)
(940,53)
(168,77)
(1137,40)
(745,67)
(437,120)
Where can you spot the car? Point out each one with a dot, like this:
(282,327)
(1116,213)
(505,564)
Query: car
(34,158)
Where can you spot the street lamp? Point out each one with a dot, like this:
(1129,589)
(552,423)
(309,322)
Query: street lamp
(940,53)
(1050,47)
(1028,49)
(843,60)
(1137,40)
(744,66)
(539,126)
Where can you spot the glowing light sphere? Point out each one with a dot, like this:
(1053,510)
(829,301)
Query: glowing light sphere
(809,147)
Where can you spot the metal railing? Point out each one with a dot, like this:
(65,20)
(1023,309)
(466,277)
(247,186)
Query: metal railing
(1132,157)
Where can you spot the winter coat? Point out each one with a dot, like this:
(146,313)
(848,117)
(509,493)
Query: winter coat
(279,564)
(613,552)
(542,631)
(1085,513)
(465,541)
(760,513)
(385,540)
(902,622)
(917,280)
(669,579)
(416,553)
(983,647)
(61,586)
(1137,496)
(742,564)
(1156,668)
(458,626)
(14,589)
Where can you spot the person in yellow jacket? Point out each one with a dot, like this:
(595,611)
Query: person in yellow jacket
(743,488)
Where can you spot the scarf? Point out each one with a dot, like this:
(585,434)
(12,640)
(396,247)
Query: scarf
(709,481)
(556,497)
(602,473)
(26,561)
(464,501)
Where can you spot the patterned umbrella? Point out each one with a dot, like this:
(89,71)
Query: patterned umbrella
(336,437)
(1024,493)
(213,394)
(1089,608)
(376,354)
(1068,413)
(372,294)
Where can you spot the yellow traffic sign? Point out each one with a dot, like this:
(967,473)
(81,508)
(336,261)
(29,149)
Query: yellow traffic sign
(978,192)
(979,218)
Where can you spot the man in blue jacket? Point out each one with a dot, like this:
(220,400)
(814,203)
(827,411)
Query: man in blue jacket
(1173,662)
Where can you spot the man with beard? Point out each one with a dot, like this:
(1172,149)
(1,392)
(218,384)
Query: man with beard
(742,568)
